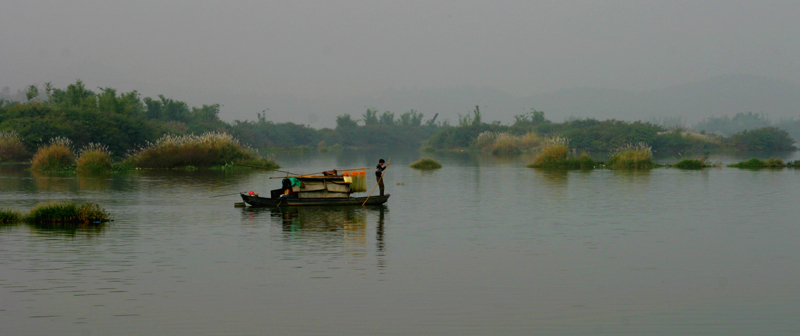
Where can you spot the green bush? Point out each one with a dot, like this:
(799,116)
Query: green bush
(67,213)
(690,164)
(55,156)
(767,138)
(426,164)
(756,164)
(12,148)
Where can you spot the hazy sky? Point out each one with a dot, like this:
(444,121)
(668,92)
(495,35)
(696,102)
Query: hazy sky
(314,49)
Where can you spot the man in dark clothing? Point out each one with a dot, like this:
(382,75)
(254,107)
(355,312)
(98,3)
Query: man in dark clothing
(379,174)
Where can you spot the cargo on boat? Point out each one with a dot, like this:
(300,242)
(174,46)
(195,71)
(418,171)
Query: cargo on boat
(329,188)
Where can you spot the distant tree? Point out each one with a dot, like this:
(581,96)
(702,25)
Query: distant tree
(33,92)
(345,121)
(387,118)
(370,117)
(411,119)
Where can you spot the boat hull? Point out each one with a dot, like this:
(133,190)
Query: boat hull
(257,201)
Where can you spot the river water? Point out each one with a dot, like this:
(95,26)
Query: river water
(481,246)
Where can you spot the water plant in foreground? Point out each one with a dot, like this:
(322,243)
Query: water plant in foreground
(94,158)
(426,164)
(57,155)
(756,164)
(203,151)
(632,156)
(67,213)
(9,216)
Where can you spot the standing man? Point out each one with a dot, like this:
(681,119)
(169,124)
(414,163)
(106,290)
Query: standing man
(379,174)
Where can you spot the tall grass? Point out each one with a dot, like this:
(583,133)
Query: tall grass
(67,213)
(94,158)
(9,216)
(556,155)
(57,155)
(505,144)
(12,148)
(426,164)
(208,149)
(632,156)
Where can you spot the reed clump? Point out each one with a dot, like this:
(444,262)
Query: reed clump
(505,144)
(203,151)
(57,155)
(632,156)
(67,213)
(426,164)
(757,164)
(94,158)
(9,216)
(556,155)
(11,147)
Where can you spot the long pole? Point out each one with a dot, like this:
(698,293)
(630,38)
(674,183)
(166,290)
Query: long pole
(379,181)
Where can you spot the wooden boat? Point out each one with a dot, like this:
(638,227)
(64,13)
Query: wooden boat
(258,201)
(329,189)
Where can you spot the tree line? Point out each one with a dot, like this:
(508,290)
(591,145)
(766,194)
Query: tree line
(126,121)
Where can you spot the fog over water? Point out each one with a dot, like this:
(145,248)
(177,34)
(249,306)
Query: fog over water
(307,61)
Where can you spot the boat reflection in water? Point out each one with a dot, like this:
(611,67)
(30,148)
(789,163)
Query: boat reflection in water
(345,231)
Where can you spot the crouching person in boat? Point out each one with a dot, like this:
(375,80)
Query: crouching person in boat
(288,191)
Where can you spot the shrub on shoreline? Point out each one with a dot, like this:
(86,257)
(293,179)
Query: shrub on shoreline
(94,158)
(208,149)
(55,156)
(67,213)
(632,156)
(426,164)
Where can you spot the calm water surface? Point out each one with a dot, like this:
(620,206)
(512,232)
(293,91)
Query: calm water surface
(482,246)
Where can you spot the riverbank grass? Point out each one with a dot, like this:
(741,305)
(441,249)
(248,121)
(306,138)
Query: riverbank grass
(55,156)
(632,156)
(200,151)
(426,164)
(557,156)
(94,158)
(66,214)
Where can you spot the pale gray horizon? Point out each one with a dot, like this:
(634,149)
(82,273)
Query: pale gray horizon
(322,49)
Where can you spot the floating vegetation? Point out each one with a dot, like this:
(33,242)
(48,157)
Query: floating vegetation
(757,164)
(67,214)
(426,164)
(55,156)
(201,151)
(94,158)
(632,156)
(556,155)
(9,216)
(11,147)
(704,162)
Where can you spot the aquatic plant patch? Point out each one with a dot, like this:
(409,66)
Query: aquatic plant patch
(57,155)
(426,164)
(67,213)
